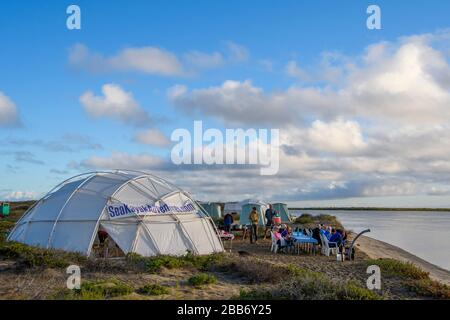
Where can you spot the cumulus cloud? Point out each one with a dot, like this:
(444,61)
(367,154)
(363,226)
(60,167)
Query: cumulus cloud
(237,52)
(18,195)
(367,126)
(69,142)
(114,103)
(151,60)
(402,82)
(155,60)
(120,160)
(8,112)
(152,137)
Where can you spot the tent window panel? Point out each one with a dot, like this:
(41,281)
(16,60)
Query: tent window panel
(169,238)
(144,244)
(201,235)
(19,233)
(73,236)
(83,206)
(49,208)
(37,233)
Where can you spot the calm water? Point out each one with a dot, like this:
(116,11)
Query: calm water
(424,234)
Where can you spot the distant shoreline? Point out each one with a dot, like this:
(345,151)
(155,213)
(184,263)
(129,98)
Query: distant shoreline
(373,209)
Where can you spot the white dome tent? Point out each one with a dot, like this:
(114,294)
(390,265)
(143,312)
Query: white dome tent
(142,213)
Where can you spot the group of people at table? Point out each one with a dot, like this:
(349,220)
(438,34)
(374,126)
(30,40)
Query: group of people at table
(283,233)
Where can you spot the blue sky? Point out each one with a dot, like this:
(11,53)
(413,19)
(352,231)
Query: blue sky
(55,136)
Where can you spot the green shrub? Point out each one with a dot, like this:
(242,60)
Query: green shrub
(96,290)
(153,290)
(202,263)
(34,256)
(430,288)
(155,264)
(305,218)
(310,287)
(400,269)
(351,291)
(202,279)
(5,227)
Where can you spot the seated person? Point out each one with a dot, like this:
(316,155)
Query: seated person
(284,230)
(287,235)
(335,237)
(343,235)
(316,233)
(276,233)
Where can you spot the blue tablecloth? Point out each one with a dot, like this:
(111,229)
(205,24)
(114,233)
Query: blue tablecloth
(300,237)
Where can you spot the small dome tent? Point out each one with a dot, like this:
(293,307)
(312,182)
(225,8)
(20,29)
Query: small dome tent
(247,207)
(140,212)
(283,210)
(213,209)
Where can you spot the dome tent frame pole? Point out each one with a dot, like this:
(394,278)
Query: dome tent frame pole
(208,217)
(50,237)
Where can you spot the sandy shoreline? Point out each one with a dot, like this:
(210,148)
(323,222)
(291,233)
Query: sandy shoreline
(377,249)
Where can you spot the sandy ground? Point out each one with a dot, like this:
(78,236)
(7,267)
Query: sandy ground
(377,249)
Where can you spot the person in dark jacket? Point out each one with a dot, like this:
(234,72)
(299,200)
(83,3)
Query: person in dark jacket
(228,220)
(269,214)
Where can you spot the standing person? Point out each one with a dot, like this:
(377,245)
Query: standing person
(228,221)
(254,219)
(269,219)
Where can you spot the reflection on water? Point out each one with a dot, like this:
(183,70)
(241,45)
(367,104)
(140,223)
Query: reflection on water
(424,234)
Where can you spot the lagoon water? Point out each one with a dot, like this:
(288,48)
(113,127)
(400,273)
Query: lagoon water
(425,234)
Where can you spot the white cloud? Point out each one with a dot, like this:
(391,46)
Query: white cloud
(293,70)
(18,196)
(196,59)
(372,125)
(403,82)
(237,52)
(120,160)
(154,60)
(150,60)
(152,137)
(337,136)
(8,112)
(115,103)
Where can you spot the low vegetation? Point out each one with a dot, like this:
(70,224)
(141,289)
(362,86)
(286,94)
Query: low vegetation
(310,221)
(96,290)
(414,278)
(202,279)
(397,268)
(38,257)
(155,264)
(153,290)
(262,278)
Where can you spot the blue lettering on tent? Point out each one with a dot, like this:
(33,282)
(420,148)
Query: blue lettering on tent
(111,211)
